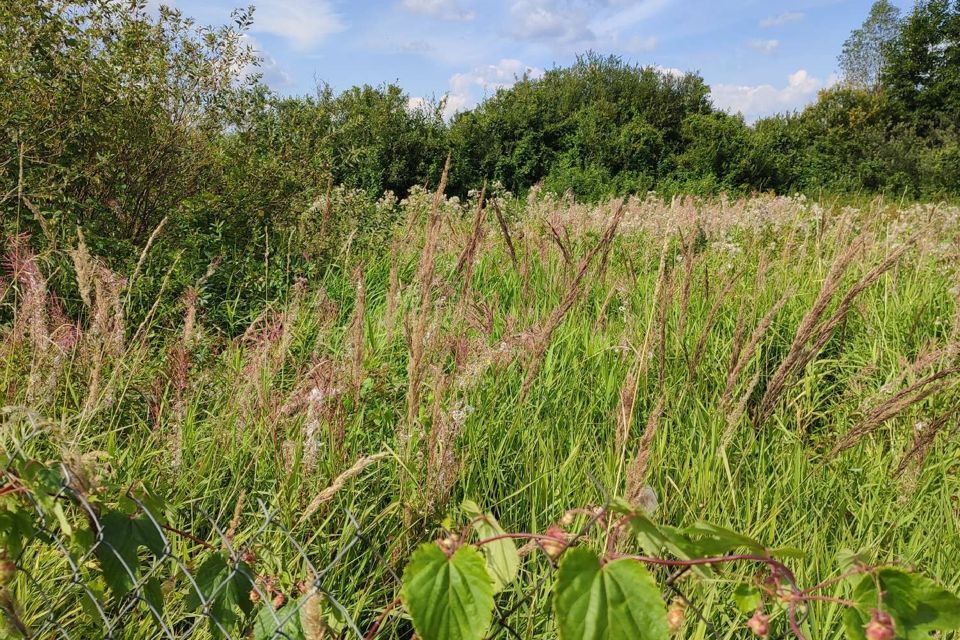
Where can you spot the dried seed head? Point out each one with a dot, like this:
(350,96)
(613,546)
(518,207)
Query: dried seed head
(759,624)
(880,627)
(556,543)
(675,615)
(450,543)
(311,618)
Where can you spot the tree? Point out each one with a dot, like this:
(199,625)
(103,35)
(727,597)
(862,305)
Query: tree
(110,112)
(865,51)
(602,124)
(922,74)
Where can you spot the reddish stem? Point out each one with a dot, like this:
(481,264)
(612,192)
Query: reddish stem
(11,488)
(188,536)
(836,579)
(518,536)
(383,615)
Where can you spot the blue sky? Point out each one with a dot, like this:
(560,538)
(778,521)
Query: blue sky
(758,57)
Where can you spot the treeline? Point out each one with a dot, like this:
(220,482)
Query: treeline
(116,120)
(605,127)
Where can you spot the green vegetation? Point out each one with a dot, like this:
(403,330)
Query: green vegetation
(769,365)
(246,336)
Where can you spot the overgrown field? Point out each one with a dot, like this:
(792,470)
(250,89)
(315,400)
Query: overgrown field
(785,368)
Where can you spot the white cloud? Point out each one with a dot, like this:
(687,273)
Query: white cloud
(304,23)
(416,103)
(271,71)
(443,9)
(487,79)
(754,101)
(469,87)
(541,20)
(638,44)
(782,19)
(577,24)
(765,47)
(670,71)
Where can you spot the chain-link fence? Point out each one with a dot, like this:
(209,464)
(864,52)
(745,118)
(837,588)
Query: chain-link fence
(81,561)
(84,562)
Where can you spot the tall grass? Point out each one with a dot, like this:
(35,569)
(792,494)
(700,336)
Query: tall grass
(754,362)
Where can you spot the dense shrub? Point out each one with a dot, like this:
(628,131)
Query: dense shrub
(114,118)
(600,126)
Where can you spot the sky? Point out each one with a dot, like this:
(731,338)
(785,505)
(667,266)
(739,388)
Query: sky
(758,57)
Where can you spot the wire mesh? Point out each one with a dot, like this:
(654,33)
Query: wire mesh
(175,584)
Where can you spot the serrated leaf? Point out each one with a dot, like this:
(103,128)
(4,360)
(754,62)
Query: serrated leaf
(449,598)
(503,561)
(149,535)
(747,598)
(917,605)
(40,479)
(120,536)
(619,600)
(212,571)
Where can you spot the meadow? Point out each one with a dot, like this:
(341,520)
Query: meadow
(784,367)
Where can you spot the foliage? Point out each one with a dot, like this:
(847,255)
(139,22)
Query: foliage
(288,408)
(865,52)
(448,588)
(601,125)
(276,292)
(920,74)
(109,115)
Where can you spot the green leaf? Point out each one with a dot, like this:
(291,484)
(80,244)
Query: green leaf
(718,540)
(619,600)
(849,560)
(747,598)
(654,538)
(449,598)
(282,623)
(788,552)
(41,479)
(117,552)
(120,537)
(149,535)
(917,605)
(15,527)
(503,561)
(225,590)
(211,573)
(152,593)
